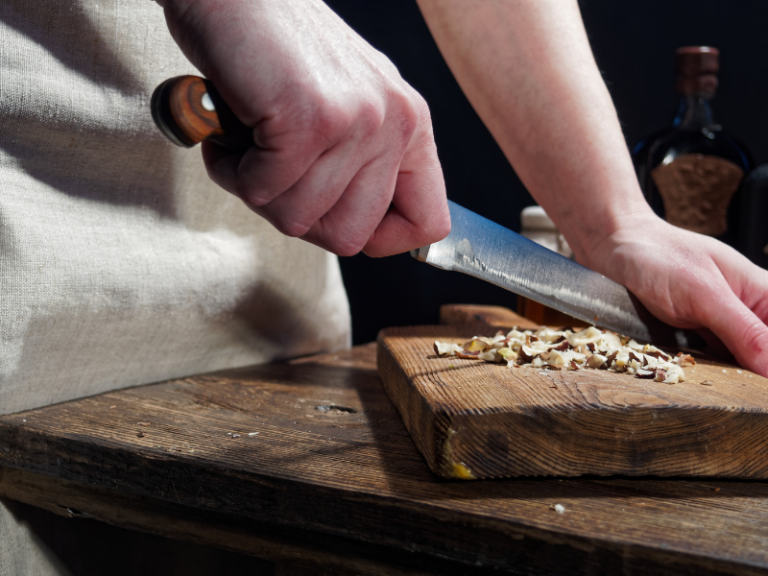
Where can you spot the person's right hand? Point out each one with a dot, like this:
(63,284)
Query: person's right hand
(345,156)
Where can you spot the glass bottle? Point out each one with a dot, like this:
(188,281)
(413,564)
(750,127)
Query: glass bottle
(691,171)
(753,232)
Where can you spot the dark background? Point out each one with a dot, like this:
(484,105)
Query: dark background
(634,44)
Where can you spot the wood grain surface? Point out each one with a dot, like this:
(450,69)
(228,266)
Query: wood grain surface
(473,419)
(338,482)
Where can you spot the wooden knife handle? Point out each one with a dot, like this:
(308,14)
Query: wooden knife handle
(188,110)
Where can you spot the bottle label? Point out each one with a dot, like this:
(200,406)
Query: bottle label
(696,190)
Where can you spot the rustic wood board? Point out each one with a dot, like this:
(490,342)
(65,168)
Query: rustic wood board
(315,484)
(472,419)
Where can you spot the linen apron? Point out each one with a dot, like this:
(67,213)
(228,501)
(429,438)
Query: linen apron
(121,263)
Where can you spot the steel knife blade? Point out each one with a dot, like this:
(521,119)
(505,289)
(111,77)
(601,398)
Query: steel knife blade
(490,252)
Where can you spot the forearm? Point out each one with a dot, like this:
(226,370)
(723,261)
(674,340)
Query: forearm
(527,68)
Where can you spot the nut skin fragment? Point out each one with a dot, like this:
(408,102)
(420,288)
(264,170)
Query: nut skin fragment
(707,383)
(658,354)
(523,357)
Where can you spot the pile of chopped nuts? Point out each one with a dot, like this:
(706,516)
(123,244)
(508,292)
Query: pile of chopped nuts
(568,350)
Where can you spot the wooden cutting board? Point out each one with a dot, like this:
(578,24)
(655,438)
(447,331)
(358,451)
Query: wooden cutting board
(472,419)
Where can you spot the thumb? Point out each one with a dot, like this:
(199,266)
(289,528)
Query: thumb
(419,212)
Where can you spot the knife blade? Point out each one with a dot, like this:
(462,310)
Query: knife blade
(481,248)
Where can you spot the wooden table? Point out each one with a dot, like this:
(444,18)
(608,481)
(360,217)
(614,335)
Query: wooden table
(307,463)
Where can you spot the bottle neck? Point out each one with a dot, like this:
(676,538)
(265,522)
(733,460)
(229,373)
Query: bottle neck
(695,112)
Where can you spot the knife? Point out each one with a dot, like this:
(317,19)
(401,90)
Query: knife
(188,109)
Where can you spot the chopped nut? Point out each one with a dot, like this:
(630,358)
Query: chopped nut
(446,348)
(597,361)
(140,434)
(564,349)
(559,508)
(475,346)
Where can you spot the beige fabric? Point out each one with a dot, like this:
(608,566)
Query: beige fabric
(21,552)
(120,262)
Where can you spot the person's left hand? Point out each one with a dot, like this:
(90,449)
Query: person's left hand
(691,281)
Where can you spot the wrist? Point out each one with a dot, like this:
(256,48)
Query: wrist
(595,227)
(607,235)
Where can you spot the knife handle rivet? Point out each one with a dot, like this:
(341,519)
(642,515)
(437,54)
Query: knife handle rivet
(207,102)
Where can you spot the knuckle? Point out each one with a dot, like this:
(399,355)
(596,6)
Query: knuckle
(291,227)
(371,117)
(345,245)
(254,198)
(440,229)
(347,249)
(410,114)
(423,114)
(331,122)
(433,231)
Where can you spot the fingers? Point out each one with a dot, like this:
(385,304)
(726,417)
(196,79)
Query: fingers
(741,320)
(348,225)
(297,210)
(271,167)
(749,283)
(420,211)
(745,335)
(390,206)
(338,198)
